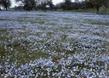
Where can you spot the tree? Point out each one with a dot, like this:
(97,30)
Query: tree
(106,3)
(98,3)
(51,5)
(39,4)
(5,3)
(67,5)
(28,4)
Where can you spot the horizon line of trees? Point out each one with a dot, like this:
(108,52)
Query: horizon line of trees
(33,4)
(48,4)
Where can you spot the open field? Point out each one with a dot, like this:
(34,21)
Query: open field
(54,45)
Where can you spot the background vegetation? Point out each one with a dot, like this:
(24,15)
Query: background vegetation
(100,6)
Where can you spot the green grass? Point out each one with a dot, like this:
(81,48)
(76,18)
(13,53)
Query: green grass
(26,20)
(96,22)
(86,10)
(92,10)
(17,51)
(20,55)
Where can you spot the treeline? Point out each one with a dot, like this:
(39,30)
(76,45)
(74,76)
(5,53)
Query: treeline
(86,4)
(49,5)
(36,4)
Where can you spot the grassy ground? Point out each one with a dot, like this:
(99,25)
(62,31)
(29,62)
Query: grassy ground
(54,44)
(102,11)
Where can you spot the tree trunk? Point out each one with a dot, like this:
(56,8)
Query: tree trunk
(97,8)
(6,8)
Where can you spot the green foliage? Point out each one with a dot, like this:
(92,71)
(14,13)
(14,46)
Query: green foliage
(29,4)
(67,5)
(5,3)
(37,4)
(98,3)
